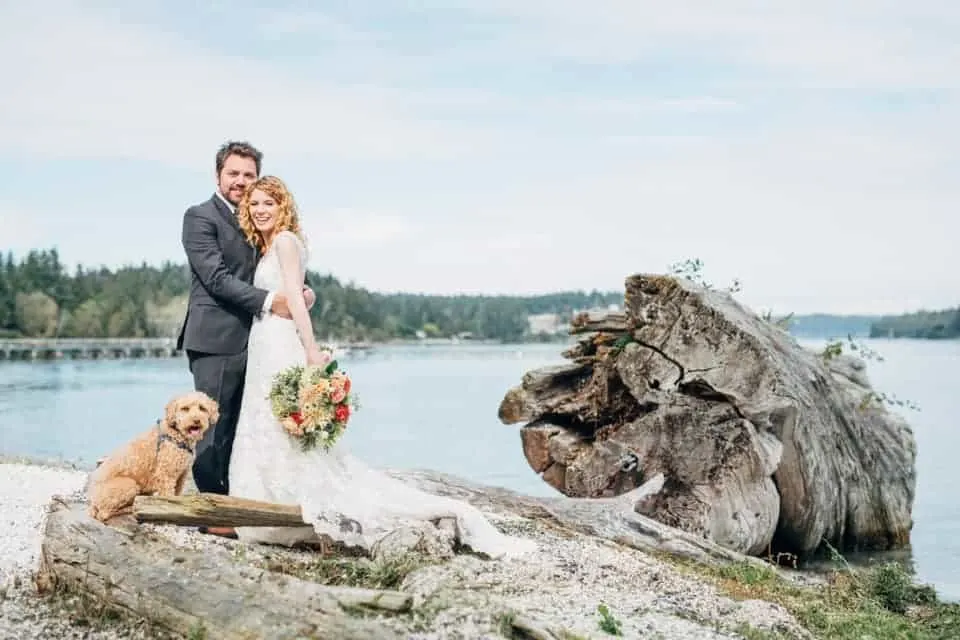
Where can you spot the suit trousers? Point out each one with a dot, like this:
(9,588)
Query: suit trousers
(220,376)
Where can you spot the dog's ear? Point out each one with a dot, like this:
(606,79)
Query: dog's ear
(212,408)
(170,413)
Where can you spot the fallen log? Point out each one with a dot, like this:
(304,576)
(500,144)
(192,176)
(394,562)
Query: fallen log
(761,442)
(205,594)
(215,510)
(613,519)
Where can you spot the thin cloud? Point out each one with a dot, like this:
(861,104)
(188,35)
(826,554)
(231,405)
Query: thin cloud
(812,44)
(21,230)
(518,147)
(283,23)
(840,221)
(126,91)
(350,229)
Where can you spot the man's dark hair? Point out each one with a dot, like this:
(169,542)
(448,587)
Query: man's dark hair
(242,149)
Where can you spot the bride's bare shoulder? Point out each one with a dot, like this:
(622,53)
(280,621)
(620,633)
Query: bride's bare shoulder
(289,238)
(291,242)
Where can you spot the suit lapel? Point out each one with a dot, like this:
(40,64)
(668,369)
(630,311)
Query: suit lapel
(224,210)
(231,217)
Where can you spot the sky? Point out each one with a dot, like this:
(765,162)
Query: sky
(810,151)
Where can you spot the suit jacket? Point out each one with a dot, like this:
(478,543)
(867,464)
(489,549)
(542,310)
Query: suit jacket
(223,300)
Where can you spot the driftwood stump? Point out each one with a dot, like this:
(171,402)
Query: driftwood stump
(184,590)
(760,441)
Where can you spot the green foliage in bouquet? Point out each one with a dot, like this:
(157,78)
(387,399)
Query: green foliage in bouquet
(284,393)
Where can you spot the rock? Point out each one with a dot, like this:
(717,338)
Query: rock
(761,442)
(427,540)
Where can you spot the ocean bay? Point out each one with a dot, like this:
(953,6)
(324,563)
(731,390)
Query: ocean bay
(435,407)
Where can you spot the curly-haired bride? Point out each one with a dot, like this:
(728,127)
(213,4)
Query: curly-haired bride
(338,494)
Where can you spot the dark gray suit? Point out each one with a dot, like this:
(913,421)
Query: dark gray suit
(214,334)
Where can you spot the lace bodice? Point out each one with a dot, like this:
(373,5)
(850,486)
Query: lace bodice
(269,274)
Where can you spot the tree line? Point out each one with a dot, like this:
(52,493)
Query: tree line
(928,325)
(39,297)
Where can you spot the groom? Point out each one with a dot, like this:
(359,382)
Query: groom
(222,305)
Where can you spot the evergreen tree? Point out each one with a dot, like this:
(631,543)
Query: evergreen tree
(150,301)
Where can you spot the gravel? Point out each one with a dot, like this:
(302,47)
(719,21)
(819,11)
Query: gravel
(559,587)
(25,491)
(562,587)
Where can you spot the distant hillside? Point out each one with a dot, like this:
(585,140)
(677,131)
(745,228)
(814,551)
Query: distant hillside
(821,325)
(39,298)
(927,325)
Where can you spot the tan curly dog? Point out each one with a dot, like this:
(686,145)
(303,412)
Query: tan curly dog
(156,462)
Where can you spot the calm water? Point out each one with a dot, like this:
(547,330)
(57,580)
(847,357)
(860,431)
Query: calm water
(436,407)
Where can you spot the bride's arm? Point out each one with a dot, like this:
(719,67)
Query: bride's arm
(292,270)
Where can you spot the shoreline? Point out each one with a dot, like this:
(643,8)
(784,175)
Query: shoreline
(59,464)
(562,586)
(814,566)
(457,596)
(365,346)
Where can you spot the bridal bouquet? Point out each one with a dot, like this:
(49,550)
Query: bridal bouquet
(313,403)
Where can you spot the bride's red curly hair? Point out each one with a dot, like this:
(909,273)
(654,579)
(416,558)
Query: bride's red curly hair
(288,218)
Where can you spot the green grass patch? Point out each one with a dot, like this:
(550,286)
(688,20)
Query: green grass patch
(881,602)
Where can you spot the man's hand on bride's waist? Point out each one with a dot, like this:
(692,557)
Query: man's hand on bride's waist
(280,306)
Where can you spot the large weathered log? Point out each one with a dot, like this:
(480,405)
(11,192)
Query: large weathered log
(760,440)
(214,510)
(613,518)
(184,590)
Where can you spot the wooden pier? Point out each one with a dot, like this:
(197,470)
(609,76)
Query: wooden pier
(114,348)
(87,348)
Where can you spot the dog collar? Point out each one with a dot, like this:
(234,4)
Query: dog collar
(162,437)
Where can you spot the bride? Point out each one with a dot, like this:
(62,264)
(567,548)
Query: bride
(339,495)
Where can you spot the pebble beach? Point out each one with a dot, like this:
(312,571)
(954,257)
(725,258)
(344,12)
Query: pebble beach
(25,491)
(651,598)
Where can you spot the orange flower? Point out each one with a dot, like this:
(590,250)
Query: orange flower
(313,393)
(292,427)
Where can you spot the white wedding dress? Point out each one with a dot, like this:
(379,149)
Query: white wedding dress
(339,495)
